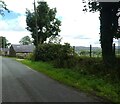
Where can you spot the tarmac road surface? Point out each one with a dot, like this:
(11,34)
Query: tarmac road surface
(22,84)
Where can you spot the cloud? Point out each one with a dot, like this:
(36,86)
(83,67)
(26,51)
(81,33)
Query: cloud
(80,37)
(108,0)
(19,6)
(87,24)
(13,28)
(81,42)
(11,15)
(74,21)
(14,36)
(17,24)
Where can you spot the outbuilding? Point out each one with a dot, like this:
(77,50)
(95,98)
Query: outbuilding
(20,49)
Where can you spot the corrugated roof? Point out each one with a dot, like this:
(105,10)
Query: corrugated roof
(4,49)
(23,48)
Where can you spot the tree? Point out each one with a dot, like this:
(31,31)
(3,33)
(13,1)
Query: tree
(47,23)
(25,40)
(3,7)
(108,28)
(4,42)
(55,39)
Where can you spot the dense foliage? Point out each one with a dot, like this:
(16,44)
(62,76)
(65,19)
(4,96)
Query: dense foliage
(109,29)
(47,23)
(3,42)
(25,40)
(54,52)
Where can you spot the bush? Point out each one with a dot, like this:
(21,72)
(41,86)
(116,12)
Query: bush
(63,56)
(29,56)
(21,55)
(53,52)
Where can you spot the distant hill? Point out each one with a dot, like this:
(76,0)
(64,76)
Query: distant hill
(80,48)
(117,47)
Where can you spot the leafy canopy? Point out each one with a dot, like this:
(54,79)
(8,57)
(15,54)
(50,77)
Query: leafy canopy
(4,42)
(25,40)
(47,23)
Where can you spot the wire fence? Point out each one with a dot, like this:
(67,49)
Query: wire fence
(95,51)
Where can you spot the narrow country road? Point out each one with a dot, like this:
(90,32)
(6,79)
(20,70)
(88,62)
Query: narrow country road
(21,84)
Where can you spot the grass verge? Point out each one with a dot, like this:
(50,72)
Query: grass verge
(87,83)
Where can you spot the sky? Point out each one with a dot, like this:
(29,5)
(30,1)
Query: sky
(78,28)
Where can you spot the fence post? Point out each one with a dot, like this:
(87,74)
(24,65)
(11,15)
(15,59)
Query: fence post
(90,50)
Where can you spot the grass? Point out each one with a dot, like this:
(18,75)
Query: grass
(88,83)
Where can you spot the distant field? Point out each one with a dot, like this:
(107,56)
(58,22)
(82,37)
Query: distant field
(96,51)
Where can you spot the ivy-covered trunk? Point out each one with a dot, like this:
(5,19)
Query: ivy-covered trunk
(107,33)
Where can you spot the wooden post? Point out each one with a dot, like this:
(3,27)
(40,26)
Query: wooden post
(90,50)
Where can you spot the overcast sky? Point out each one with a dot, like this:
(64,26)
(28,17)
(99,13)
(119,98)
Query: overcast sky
(78,28)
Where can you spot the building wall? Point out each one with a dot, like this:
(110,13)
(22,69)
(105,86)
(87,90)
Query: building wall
(12,52)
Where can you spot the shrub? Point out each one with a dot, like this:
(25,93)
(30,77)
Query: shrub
(21,55)
(51,52)
(29,56)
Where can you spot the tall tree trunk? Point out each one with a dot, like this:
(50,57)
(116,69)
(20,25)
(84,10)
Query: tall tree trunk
(106,19)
